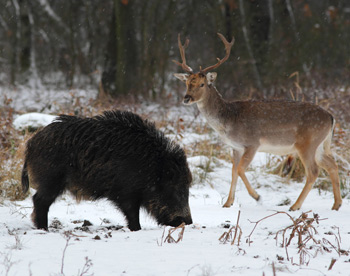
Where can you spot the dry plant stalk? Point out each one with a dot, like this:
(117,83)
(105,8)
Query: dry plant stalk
(249,241)
(332,264)
(304,231)
(227,236)
(170,239)
(68,236)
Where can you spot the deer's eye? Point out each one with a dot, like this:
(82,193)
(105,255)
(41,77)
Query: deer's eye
(202,85)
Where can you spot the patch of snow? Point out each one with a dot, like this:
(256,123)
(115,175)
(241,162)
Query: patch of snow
(121,252)
(34,120)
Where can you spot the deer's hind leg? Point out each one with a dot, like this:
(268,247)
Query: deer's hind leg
(307,157)
(327,162)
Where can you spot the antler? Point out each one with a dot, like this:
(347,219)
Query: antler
(182,48)
(228,47)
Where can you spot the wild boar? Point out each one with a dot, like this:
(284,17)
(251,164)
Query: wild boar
(116,155)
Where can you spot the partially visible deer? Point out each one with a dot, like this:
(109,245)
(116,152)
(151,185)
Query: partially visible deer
(278,127)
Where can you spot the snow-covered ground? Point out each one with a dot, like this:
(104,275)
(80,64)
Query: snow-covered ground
(46,100)
(106,249)
(25,250)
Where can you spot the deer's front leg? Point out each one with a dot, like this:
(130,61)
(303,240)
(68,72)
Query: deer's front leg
(246,159)
(236,157)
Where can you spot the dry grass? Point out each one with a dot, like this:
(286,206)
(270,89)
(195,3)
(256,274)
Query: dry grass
(290,167)
(11,156)
(169,238)
(235,232)
(308,243)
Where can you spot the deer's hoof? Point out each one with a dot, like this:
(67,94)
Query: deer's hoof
(294,208)
(227,204)
(336,206)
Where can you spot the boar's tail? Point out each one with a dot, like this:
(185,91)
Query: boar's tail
(25,178)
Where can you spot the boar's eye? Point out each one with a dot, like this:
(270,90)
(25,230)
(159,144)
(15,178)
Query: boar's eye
(202,85)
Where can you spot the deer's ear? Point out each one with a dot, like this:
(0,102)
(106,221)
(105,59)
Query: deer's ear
(182,77)
(211,77)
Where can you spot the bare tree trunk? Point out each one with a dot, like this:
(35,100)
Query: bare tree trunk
(272,22)
(3,23)
(121,68)
(72,51)
(121,49)
(292,18)
(49,11)
(15,62)
(33,67)
(247,42)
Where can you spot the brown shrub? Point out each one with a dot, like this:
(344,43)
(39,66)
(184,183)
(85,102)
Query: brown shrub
(11,156)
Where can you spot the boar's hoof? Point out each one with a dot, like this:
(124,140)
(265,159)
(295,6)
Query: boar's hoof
(134,227)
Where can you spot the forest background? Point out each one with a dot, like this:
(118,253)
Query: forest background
(83,57)
(128,45)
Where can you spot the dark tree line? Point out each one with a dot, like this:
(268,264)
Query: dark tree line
(129,44)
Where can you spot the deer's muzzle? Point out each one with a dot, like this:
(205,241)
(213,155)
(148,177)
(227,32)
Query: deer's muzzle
(187,99)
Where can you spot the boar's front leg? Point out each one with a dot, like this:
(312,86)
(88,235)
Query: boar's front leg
(131,211)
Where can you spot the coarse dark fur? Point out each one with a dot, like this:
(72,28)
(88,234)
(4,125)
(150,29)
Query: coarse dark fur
(117,156)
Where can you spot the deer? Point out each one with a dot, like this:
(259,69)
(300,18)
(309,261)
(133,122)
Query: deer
(280,127)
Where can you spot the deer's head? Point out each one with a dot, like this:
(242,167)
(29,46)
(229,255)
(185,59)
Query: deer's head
(198,83)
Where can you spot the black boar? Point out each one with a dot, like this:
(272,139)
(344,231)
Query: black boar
(117,156)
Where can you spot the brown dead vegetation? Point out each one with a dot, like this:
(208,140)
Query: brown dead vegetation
(303,232)
(169,238)
(233,233)
(11,152)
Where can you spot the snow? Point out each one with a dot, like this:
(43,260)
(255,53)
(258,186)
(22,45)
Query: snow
(34,120)
(121,252)
(49,100)
(199,253)
(28,251)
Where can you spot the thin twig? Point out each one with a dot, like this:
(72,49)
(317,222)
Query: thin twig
(234,237)
(257,222)
(332,264)
(226,236)
(161,239)
(68,236)
(170,239)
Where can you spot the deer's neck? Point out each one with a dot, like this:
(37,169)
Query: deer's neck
(213,107)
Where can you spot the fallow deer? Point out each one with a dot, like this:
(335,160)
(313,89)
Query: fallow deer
(278,127)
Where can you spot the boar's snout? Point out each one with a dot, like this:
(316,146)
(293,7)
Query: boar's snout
(184,216)
(188,220)
(178,220)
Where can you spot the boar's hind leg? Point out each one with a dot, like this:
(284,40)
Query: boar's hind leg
(42,201)
(131,211)
(41,209)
